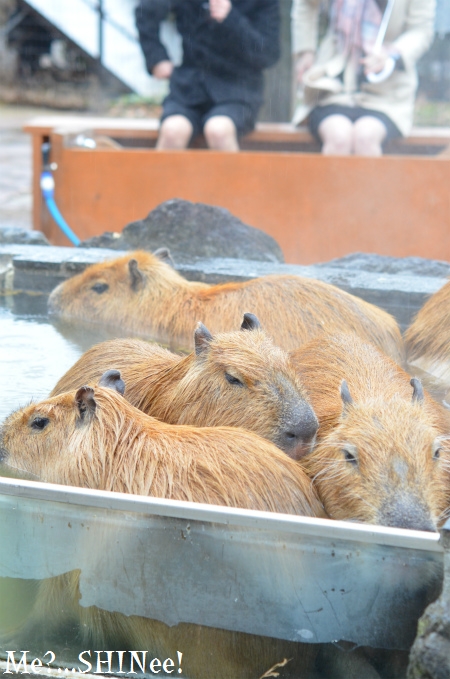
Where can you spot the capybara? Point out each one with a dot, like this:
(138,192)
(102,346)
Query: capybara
(145,295)
(94,438)
(427,339)
(236,379)
(381,455)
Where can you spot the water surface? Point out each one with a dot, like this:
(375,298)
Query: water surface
(36,351)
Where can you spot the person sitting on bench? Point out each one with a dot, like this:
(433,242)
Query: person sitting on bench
(218,88)
(359,87)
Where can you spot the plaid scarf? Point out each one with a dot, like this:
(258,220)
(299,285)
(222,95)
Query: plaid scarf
(356,24)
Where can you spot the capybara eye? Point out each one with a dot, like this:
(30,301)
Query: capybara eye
(233,380)
(39,423)
(350,456)
(437,452)
(100,288)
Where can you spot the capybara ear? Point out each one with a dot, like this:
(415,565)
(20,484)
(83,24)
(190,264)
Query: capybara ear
(250,322)
(417,390)
(164,255)
(202,338)
(345,394)
(137,277)
(84,398)
(112,380)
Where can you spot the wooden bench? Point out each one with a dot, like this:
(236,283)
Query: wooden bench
(316,207)
(267,136)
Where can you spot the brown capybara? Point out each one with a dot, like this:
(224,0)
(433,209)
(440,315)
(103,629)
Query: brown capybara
(427,339)
(145,295)
(382,454)
(94,438)
(235,379)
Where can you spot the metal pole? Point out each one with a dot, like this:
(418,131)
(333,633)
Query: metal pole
(100,30)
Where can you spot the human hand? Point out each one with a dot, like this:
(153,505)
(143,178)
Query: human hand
(162,70)
(303,62)
(219,9)
(374,62)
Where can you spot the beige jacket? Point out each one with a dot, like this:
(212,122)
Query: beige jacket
(410,32)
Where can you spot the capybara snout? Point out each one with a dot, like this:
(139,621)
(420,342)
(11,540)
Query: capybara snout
(407,512)
(368,468)
(297,434)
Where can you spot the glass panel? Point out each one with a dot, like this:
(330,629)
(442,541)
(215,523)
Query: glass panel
(291,578)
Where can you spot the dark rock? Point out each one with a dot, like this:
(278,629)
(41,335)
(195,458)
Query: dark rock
(11,234)
(430,654)
(193,230)
(408,266)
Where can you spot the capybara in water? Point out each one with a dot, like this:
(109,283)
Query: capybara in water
(427,339)
(235,379)
(94,438)
(145,295)
(381,455)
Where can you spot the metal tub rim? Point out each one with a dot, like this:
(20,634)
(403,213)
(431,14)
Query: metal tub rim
(284,523)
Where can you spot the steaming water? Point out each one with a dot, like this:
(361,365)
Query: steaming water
(33,354)
(35,351)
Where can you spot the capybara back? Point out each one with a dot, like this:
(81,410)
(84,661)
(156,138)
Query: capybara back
(427,339)
(147,296)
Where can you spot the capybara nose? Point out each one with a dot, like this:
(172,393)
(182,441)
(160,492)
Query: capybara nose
(297,440)
(407,513)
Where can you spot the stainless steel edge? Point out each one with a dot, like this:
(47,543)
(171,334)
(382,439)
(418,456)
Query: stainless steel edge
(302,525)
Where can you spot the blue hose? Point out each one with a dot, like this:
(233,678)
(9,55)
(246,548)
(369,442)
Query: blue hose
(48,192)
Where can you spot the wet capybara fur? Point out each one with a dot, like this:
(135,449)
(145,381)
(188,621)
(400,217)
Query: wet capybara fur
(95,439)
(382,449)
(427,339)
(236,379)
(146,296)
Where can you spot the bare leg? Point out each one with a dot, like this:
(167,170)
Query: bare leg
(175,133)
(337,135)
(221,134)
(368,136)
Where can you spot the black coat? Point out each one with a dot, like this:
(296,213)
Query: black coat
(227,57)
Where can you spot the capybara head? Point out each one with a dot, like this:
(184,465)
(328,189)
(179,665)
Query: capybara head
(234,379)
(241,379)
(33,439)
(382,463)
(109,289)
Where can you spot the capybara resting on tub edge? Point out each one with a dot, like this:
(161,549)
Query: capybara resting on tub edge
(382,453)
(94,438)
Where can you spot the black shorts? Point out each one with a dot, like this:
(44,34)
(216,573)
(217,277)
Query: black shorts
(241,113)
(319,113)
